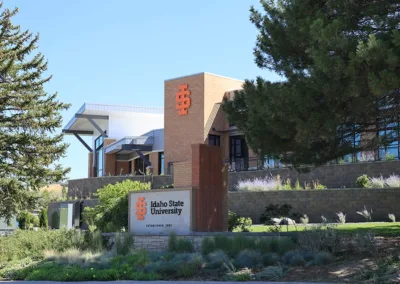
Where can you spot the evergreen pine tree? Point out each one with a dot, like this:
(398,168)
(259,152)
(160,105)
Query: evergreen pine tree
(29,118)
(340,63)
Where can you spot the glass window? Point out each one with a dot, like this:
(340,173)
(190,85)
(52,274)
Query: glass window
(390,132)
(161,163)
(98,143)
(214,140)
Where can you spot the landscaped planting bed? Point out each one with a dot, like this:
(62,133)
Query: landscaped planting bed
(316,254)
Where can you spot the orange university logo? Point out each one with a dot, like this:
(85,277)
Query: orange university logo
(183,100)
(141,208)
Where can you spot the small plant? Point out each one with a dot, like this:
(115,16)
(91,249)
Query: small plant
(297,185)
(287,185)
(270,258)
(216,260)
(184,246)
(364,243)
(363,181)
(235,222)
(392,217)
(390,157)
(341,218)
(207,246)
(271,273)
(378,182)
(324,219)
(124,244)
(366,214)
(322,258)
(317,185)
(43,219)
(304,220)
(393,181)
(172,242)
(249,259)
(307,186)
(259,184)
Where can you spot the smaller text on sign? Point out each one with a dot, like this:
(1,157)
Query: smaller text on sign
(141,208)
(183,100)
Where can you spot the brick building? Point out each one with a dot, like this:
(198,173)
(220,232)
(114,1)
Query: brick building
(126,140)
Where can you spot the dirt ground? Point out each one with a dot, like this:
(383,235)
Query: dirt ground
(352,268)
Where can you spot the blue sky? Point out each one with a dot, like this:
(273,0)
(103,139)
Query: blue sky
(120,52)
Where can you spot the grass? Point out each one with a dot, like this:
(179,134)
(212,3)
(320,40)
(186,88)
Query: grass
(380,229)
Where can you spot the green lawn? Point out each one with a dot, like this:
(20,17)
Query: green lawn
(380,229)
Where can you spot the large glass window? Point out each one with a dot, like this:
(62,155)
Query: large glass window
(214,140)
(161,163)
(352,138)
(98,143)
(389,131)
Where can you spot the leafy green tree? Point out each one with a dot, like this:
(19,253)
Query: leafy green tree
(111,214)
(29,118)
(43,219)
(340,63)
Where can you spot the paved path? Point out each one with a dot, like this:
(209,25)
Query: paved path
(149,282)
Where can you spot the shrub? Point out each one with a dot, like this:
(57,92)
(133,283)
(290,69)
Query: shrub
(363,181)
(259,184)
(293,258)
(317,185)
(223,243)
(390,157)
(172,242)
(304,220)
(297,185)
(249,259)
(236,222)
(392,217)
(22,244)
(207,246)
(364,243)
(43,219)
(270,258)
(179,245)
(366,214)
(277,211)
(393,181)
(124,244)
(94,241)
(110,215)
(25,219)
(378,182)
(287,185)
(322,258)
(271,273)
(319,239)
(216,260)
(341,218)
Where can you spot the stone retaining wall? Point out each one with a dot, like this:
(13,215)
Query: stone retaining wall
(333,176)
(326,202)
(84,188)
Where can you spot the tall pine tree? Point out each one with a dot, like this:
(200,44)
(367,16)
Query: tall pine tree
(29,117)
(340,60)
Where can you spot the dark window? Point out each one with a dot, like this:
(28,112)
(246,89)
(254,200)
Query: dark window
(98,144)
(214,140)
(161,163)
(389,131)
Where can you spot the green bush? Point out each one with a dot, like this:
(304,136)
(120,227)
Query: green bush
(270,258)
(363,181)
(223,243)
(43,219)
(249,259)
(179,245)
(271,273)
(111,214)
(124,243)
(22,244)
(235,222)
(207,246)
(24,220)
(216,260)
(278,211)
(322,258)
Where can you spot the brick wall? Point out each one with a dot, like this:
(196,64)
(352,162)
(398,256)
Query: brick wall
(333,176)
(122,168)
(84,188)
(182,174)
(315,203)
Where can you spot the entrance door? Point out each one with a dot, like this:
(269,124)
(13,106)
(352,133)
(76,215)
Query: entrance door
(239,153)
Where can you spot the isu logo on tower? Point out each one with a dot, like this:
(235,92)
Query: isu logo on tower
(141,208)
(183,99)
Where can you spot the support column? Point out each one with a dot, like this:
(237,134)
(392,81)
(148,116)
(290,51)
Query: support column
(210,182)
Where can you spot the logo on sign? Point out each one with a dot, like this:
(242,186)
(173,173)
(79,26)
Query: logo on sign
(183,99)
(141,208)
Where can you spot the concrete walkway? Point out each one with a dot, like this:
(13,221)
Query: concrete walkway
(150,282)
